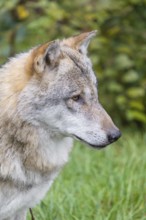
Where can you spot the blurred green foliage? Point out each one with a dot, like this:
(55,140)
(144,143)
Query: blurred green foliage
(118,53)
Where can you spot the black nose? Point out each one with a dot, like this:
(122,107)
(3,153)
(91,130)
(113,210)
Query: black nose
(113,136)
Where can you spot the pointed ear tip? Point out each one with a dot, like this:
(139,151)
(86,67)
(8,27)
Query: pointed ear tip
(93,33)
(90,34)
(53,45)
(56,42)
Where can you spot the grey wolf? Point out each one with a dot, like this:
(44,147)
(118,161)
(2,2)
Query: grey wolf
(48,97)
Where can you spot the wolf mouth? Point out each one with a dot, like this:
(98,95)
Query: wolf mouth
(92,145)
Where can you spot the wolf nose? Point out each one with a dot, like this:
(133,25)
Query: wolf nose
(114,135)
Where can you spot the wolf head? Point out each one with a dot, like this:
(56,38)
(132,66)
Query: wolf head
(62,93)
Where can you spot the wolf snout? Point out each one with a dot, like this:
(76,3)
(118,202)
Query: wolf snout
(114,135)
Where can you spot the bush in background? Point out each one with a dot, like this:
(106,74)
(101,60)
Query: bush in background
(118,53)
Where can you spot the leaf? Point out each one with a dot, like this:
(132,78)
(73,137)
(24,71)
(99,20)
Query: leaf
(135,92)
(136,115)
(131,76)
(22,12)
(115,87)
(110,73)
(123,62)
(121,100)
(137,105)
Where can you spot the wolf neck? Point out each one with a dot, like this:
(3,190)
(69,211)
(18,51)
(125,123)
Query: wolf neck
(29,149)
(52,152)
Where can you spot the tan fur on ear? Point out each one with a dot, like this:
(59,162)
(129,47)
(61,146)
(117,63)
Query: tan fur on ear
(20,79)
(48,54)
(37,57)
(76,41)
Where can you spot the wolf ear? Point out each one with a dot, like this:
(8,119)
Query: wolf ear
(47,55)
(80,42)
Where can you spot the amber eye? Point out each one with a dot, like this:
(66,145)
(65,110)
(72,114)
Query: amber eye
(76,98)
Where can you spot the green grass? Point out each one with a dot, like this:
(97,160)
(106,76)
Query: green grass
(109,184)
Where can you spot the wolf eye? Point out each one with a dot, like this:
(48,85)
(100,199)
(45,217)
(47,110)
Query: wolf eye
(76,98)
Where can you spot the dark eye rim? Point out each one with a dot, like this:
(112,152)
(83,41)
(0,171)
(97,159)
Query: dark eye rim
(76,98)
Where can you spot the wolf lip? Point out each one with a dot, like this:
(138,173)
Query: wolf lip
(92,145)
